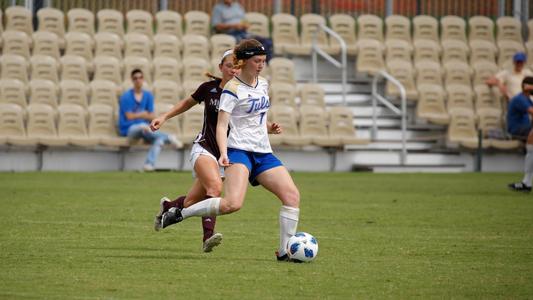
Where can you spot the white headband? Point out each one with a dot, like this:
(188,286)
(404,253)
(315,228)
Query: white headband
(227,53)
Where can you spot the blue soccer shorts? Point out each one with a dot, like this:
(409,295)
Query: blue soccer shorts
(256,163)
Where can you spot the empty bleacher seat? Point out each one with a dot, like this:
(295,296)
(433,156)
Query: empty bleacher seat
(220,43)
(19,18)
(404,72)
(74,92)
(104,92)
(108,68)
(310,24)
(483,70)
(459,97)
(285,34)
(282,93)
(425,28)
(286,117)
(454,50)
(169,22)
(110,20)
(102,126)
(490,122)
(431,104)
(166,45)
(194,68)
(453,28)
(398,28)
(12,129)
(13,91)
(482,50)
(108,44)
(481,28)
(72,125)
(509,29)
(462,130)
(44,67)
(46,43)
(80,44)
(312,94)
(81,20)
(426,50)
(313,125)
(282,69)
(166,68)
(197,22)
(344,25)
(487,97)
(370,27)
(16,42)
(74,67)
(43,91)
(341,126)
(14,67)
(428,72)
(52,20)
(258,24)
(398,50)
(195,46)
(457,72)
(370,56)
(137,44)
(140,21)
(41,126)
(166,91)
(193,121)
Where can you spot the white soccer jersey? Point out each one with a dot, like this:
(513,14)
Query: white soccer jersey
(248,106)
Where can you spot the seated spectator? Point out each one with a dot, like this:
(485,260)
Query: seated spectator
(136,113)
(509,82)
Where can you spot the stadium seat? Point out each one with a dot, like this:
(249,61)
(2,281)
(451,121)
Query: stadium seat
(508,48)
(195,46)
(108,44)
(530,29)
(220,43)
(44,67)
(483,70)
(490,122)
(1,27)
(110,20)
(344,25)
(456,72)
(169,22)
(404,72)
(41,126)
(190,86)
(80,44)
(16,43)
(282,70)
(258,23)
(313,125)
(286,117)
(426,50)
(74,67)
(482,50)
(14,67)
(13,91)
(428,72)
(81,20)
(12,130)
(197,22)
(370,56)
(140,21)
(72,125)
(171,126)
(487,97)
(74,92)
(166,45)
(509,29)
(370,27)
(108,68)
(19,18)
(459,97)
(194,68)
(341,126)
(312,94)
(285,34)
(135,62)
(282,93)
(44,92)
(166,68)
(431,105)
(45,43)
(193,121)
(481,28)
(102,126)
(398,50)
(137,44)
(398,28)
(104,92)
(425,28)
(310,26)
(453,28)
(52,20)
(166,91)
(454,50)
(462,130)
(529,49)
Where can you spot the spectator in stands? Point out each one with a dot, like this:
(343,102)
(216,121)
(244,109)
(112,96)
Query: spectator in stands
(519,124)
(509,82)
(136,112)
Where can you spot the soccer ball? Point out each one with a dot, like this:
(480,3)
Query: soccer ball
(302,247)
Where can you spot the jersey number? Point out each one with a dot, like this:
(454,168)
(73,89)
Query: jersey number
(261,118)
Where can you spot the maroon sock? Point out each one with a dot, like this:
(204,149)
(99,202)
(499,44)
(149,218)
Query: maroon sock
(174,203)
(208,224)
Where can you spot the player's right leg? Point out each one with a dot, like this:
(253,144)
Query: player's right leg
(525,184)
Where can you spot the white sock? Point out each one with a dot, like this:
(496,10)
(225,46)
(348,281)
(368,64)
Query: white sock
(288,222)
(205,208)
(528,166)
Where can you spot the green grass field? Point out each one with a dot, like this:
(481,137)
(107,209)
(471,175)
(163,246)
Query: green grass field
(90,236)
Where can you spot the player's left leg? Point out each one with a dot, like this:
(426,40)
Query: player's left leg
(525,184)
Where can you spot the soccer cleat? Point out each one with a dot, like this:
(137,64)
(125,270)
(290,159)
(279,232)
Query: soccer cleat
(212,242)
(286,258)
(172,216)
(519,187)
(162,210)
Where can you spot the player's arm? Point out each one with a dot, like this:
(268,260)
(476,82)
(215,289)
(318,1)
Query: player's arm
(222,138)
(180,107)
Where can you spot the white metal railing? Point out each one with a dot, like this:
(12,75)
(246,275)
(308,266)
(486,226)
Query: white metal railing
(341,65)
(402,111)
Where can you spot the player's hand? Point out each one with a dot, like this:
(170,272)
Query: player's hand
(157,123)
(275,128)
(223,161)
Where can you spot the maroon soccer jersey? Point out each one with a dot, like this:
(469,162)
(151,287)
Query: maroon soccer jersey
(209,93)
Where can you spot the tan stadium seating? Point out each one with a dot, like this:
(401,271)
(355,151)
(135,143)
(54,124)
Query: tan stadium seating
(169,22)
(140,21)
(462,130)
(102,126)
(344,25)
(398,28)
(166,45)
(171,126)
(483,70)
(529,48)
(398,50)
(43,91)
(487,97)
(41,126)
(194,68)
(44,67)
(166,91)
(195,46)
(104,92)
(530,29)
(81,20)
(313,125)
(508,48)
(52,20)
(136,44)
(45,43)
(310,27)
(312,94)
(80,44)
(404,72)
(12,129)
(166,68)
(285,34)
(74,67)
(457,72)
(481,28)
(370,27)
(491,120)
(509,29)
(197,22)
(370,56)
(341,126)
(190,86)
(134,62)
(425,28)
(13,91)
(110,20)
(258,24)
(282,70)
(282,93)
(215,70)
(426,50)
(74,92)
(431,105)
(19,18)
(14,67)
(108,68)
(428,72)
(453,28)
(72,125)
(482,50)
(459,97)
(220,43)
(108,44)
(1,27)
(286,117)
(193,121)
(454,50)
(16,42)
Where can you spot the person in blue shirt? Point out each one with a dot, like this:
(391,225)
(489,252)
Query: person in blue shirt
(228,17)
(519,125)
(136,113)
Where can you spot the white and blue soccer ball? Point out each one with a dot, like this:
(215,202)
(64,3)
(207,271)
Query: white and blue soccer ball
(302,246)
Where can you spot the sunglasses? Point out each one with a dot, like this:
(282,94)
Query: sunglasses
(137,77)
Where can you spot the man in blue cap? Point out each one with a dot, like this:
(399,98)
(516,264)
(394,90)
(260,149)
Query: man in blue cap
(509,82)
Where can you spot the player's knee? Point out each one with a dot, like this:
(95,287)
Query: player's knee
(291,198)
(230,206)
(214,189)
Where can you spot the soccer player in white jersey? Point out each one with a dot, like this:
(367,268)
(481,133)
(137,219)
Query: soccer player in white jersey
(246,152)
